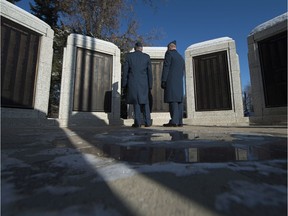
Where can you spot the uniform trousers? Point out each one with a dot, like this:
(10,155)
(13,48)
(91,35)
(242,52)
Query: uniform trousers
(138,113)
(176,113)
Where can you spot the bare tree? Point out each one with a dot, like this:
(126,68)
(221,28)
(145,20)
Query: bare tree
(46,10)
(102,19)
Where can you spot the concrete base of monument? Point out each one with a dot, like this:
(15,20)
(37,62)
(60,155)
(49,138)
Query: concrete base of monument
(158,119)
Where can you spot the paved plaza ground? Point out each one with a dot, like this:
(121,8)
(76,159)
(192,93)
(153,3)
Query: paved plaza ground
(120,170)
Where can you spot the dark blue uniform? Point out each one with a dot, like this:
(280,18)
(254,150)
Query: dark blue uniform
(137,78)
(173,78)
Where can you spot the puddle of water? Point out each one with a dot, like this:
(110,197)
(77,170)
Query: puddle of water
(188,155)
(178,147)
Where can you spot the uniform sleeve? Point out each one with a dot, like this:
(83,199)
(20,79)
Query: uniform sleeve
(166,66)
(125,73)
(184,67)
(149,71)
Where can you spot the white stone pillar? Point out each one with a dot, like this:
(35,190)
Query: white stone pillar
(158,53)
(68,117)
(235,115)
(263,114)
(37,115)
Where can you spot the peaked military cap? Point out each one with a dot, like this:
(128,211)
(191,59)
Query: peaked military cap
(138,44)
(172,42)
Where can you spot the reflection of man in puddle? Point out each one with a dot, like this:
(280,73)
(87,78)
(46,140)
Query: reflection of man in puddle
(137,78)
(185,154)
(177,135)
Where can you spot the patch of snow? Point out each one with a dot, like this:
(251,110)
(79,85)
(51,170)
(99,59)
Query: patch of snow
(109,170)
(122,170)
(57,190)
(80,162)
(241,192)
(251,195)
(8,162)
(98,209)
(55,151)
(9,192)
(269,23)
(43,175)
(210,42)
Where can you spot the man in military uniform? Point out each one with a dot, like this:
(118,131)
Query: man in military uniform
(172,82)
(137,79)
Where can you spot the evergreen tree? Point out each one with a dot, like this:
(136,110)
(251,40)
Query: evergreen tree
(46,10)
(60,37)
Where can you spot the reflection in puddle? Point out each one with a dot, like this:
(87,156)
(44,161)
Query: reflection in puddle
(186,148)
(188,155)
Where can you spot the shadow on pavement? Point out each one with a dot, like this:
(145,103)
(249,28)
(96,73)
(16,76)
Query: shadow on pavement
(74,171)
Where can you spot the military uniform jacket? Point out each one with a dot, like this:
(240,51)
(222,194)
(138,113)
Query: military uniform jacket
(173,75)
(137,77)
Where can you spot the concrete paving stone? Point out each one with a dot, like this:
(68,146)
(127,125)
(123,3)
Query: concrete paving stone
(119,170)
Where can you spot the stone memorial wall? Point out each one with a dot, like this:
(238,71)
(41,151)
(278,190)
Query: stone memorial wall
(213,87)
(26,61)
(267,55)
(91,77)
(91,82)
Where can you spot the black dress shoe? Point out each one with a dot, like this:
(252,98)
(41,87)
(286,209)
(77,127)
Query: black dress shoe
(180,125)
(136,126)
(170,125)
(148,125)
